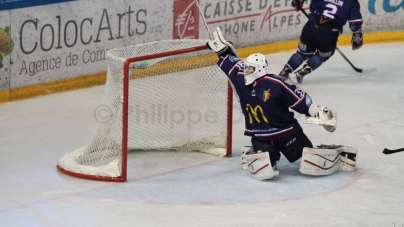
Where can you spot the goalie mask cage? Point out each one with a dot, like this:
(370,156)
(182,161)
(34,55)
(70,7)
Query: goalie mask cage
(165,95)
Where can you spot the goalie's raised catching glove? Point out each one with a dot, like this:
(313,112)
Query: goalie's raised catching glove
(322,116)
(219,44)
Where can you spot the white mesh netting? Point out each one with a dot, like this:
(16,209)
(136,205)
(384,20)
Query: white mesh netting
(176,102)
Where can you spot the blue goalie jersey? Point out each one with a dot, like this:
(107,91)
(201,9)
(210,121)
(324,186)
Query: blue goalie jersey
(265,103)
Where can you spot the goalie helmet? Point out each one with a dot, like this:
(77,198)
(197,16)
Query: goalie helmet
(258,63)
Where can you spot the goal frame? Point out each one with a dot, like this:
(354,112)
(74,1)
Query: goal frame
(125,114)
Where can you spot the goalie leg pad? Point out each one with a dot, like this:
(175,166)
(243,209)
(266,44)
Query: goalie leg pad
(347,156)
(327,160)
(245,150)
(319,162)
(348,159)
(259,165)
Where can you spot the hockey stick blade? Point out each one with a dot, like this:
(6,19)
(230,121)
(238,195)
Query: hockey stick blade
(350,63)
(369,70)
(387,151)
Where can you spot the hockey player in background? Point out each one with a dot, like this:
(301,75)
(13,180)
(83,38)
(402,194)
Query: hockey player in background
(265,100)
(318,39)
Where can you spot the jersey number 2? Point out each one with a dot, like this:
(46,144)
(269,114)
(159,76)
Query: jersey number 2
(330,11)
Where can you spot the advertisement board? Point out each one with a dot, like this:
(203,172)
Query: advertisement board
(44,41)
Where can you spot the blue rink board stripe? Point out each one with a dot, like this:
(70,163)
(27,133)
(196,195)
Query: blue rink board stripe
(26,4)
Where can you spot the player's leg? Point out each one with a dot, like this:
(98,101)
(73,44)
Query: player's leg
(305,49)
(261,159)
(292,146)
(259,164)
(266,146)
(326,42)
(328,159)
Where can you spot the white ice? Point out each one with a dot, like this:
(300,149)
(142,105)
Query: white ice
(201,190)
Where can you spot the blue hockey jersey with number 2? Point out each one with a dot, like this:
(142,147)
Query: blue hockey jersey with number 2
(266,102)
(340,11)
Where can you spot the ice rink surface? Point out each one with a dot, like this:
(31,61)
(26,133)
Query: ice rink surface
(174,189)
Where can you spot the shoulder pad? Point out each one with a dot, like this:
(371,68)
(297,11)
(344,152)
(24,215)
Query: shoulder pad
(233,58)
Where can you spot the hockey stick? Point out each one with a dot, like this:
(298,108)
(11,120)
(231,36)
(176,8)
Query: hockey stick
(204,20)
(346,59)
(387,151)
(371,141)
(146,64)
(211,35)
(356,69)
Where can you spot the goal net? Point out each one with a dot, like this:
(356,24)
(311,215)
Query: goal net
(161,96)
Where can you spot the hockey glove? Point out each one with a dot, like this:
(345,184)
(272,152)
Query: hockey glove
(357,39)
(322,116)
(297,4)
(219,45)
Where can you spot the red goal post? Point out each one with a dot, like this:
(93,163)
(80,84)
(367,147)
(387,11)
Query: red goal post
(165,95)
